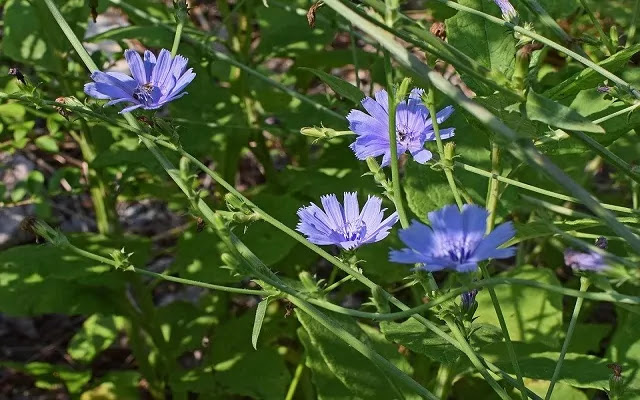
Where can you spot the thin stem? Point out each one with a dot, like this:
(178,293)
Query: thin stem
(176,38)
(333,286)
(494,186)
(505,331)
(584,286)
(617,113)
(634,24)
(536,189)
(395,174)
(447,164)
(443,381)
(354,54)
(295,380)
(169,278)
(466,348)
(604,37)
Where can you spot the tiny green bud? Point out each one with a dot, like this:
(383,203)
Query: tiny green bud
(380,300)
(229,260)
(323,133)
(307,281)
(121,259)
(449,153)
(373,165)
(233,202)
(403,90)
(615,38)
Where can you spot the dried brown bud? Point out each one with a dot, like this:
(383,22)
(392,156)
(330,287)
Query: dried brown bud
(146,120)
(200,225)
(60,110)
(16,72)
(616,368)
(311,14)
(438,29)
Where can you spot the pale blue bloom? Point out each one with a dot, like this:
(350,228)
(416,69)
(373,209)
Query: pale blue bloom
(347,226)
(155,82)
(413,127)
(589,261)
(455,240)
(508,12)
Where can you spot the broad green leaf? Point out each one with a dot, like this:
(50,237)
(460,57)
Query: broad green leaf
(531,315)
(257,323)
(543,109)
(97,333)
(341,87)
(326,385)
(489,44)
(624,349)
(351,368)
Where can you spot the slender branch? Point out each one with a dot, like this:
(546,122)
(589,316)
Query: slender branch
(170,278)
(494,186)
(176,39)
(430,102)
(634,24)
(505,331)
(584,286)
(395,174)
(295,380)
(617,113)
(536,189)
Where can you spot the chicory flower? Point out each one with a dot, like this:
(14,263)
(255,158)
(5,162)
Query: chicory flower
(413,128)
(347,226)
(455,240)
(589,261)
(155,82)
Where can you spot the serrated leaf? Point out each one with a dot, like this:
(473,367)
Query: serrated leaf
(341,87)
(257,322)
(543,109)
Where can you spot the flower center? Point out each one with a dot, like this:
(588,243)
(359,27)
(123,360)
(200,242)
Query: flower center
(353,230)
(143,93)
(458,253)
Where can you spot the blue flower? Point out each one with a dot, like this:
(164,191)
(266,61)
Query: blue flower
(413,127)
(155,82)
(346,227)
(590,261)
(508,12)
(456,240)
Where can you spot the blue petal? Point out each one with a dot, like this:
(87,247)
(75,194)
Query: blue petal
(130,108)
(149,64)
(446,219)
(488,247)
(162,68)
(418,237)
(334,211)
(382,231)
(136,65)
(422,156)
(351,207)
(474,224)
(375,110)
(365,125)
(406,256)
(382,98)
(442,115)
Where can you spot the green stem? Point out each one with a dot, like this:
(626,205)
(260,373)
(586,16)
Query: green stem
(395,174)
(169,278)
(617,113)
(294,382)
(176,39)
(466,348)
(443,381)
(536,189)
(535,7)
(333,286)
(354,54)
(584,286)
(505,332)
(447,164)
(634,24)
(494,186)
(603,36)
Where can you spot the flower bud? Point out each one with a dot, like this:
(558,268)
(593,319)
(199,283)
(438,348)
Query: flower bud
(307,281)
(181,10)
(616,383)
(93,6)
(602,242)
(380,300)
(16,72)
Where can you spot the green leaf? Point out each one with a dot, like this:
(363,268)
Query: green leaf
(121,385)
(97,333)
(341,87)
(47,143)
(351,368)
(543,109)
(491,45)
(417,338)
(50,377)
(257,323)
(530,314)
